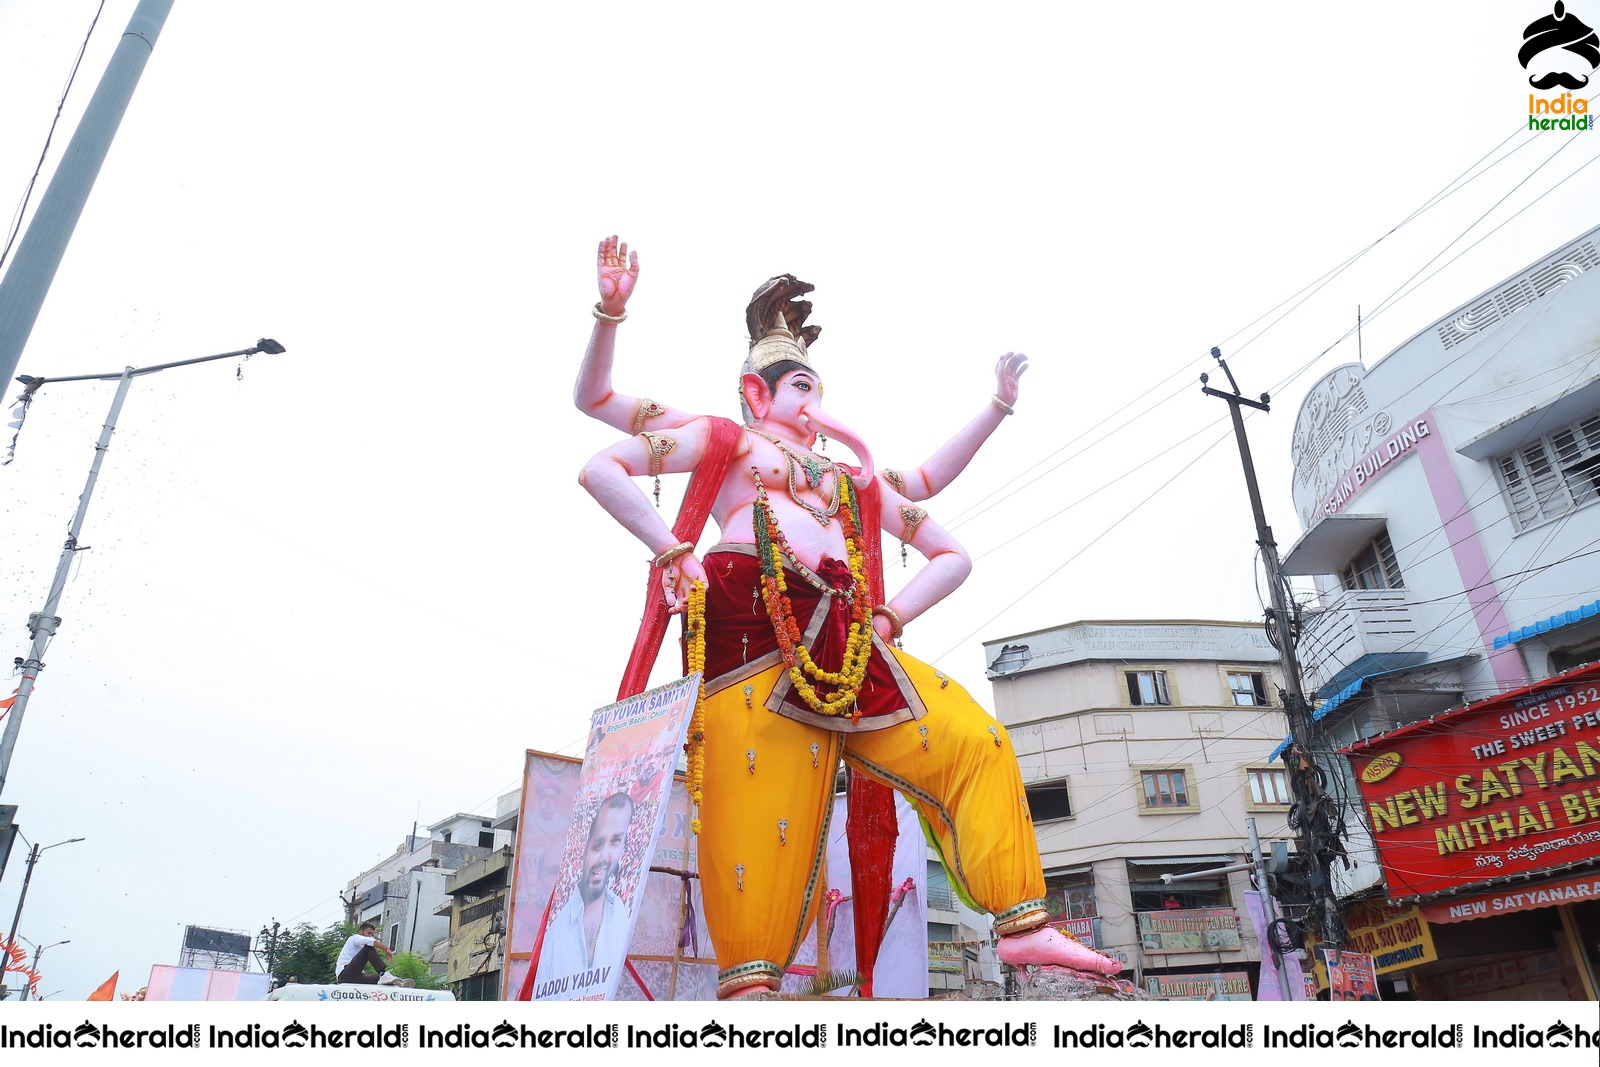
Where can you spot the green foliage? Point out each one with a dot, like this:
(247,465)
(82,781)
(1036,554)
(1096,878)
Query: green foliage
(824,983)
(306,955)
(413,966)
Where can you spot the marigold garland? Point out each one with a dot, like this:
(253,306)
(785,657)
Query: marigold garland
(771,547)
(694,747)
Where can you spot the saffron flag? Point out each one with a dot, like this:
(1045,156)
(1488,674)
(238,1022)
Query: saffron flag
(107,990)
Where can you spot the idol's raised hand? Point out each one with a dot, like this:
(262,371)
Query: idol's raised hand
(618,272)
(1007,375)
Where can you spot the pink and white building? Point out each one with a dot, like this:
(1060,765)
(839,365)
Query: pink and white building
(1445,493)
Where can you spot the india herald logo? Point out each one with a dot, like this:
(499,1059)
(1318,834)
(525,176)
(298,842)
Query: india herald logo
(1559,50)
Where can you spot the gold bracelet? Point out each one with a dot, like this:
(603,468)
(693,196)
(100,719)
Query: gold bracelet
(673,553)
(897,625)
(600,314)
(995,400)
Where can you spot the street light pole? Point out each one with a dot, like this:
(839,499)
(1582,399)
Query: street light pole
(38,950)
(22,898)
(42,625)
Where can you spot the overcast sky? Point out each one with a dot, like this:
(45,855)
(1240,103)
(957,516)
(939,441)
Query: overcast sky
(347,590)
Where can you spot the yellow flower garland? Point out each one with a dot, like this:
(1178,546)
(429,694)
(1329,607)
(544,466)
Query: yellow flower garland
(802,669)
(694,747)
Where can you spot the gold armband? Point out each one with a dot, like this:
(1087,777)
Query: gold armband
(1002,405)
(600,313)
(913,517)
(648,409)
(660,447)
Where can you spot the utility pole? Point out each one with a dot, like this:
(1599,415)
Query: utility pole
(271,938)
(22,898)
(1283,631)
(33,268)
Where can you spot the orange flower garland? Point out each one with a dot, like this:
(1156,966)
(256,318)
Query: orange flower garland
(694,747)
(803,670)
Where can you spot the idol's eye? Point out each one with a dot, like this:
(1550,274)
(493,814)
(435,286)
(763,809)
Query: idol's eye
(804,387)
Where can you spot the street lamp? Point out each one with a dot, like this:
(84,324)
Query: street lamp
(42,626)
(38,950)
(33,857)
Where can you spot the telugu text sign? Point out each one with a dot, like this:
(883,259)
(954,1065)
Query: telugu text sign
(1510,786)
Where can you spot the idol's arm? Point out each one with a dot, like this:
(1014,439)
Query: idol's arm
(617,272)
(947,563)
(952,458)
(608,477)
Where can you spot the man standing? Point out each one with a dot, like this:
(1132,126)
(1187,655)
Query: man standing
(800,669)
(360,949)
(593,927)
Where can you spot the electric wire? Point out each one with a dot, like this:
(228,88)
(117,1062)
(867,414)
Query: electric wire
(1386,304)
(22,208)
(1309,290)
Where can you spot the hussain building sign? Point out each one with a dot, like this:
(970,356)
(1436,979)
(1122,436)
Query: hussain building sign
(1374,464)
(1510,786)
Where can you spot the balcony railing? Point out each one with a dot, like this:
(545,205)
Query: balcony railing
(1357,624)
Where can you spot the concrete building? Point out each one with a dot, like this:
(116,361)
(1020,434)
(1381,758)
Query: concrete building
(479,896)
(402,894)
(961,946)
(1444,493)
(1144,749)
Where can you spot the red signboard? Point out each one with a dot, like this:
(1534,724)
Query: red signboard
(1508,786)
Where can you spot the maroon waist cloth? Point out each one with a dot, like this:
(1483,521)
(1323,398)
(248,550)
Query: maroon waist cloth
(740,642)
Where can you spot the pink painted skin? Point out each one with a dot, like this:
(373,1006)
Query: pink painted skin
(819,421)
(617,271)
(1049,947)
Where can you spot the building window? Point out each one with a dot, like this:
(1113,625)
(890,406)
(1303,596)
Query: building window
(484,986)
(1147,687)
(1247,689)
(1374,567)
(478,911)
(940,898)
(1268,786)
(1166,789)
(1149,893)
(486,839)
(1049,800)
(1563,660)
(1558,473)
(1070,896)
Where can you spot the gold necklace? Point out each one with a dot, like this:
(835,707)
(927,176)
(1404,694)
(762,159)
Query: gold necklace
(815,470)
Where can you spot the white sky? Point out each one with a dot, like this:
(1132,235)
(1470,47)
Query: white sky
(349,590)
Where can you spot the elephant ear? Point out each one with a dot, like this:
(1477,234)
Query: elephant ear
(779,296)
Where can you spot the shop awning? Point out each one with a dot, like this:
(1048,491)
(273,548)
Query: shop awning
(1544,626)
(1351,691)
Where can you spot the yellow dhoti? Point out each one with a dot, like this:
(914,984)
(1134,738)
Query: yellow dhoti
(769,793)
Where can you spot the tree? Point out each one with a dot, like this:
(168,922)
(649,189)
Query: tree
(411,965)
(306,955)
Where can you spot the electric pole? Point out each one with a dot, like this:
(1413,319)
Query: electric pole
(1321,823)
(271,938)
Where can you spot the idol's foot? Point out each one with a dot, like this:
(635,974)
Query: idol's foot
(1047,946)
